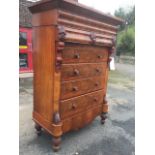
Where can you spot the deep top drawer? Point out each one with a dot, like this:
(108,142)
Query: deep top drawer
(84,54)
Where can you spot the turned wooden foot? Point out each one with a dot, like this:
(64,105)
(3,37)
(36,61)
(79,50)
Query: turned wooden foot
(56,143)
(103,117)
(38,129)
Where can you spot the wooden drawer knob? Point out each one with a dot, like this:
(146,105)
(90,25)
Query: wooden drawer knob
(98,70)
(99,56)
(58,62)
(95,99)
(59,58)
(109,59)
(76,72)
(93,37)
(75,89)
(96,84)
(74,106)
(77,56)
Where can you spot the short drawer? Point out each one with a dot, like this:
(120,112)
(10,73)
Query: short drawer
(77,71)
(74,88)
(75,105)
(83,54)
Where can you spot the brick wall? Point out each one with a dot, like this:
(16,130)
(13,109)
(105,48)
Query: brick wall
(24,14)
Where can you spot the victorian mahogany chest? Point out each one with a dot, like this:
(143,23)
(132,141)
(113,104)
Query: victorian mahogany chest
(72,45)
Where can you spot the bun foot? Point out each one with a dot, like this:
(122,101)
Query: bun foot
(102,121)
(39,133)
(38,129)
(56,143)
(103,118)
(56,148)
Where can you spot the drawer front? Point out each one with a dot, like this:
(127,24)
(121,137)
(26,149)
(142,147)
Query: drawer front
(76,71)
(78,104)
(81,119)
(82,54)
(74,88)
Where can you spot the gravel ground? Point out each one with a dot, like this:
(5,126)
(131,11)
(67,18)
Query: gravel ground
(116,137)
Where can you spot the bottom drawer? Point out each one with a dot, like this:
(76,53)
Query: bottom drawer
(80,120)
(78,104)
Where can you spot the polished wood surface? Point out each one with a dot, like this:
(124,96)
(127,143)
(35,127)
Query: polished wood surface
(72,45)
(76,8)
(78,87)
(77,71)
(84,54)
(43,69)
(81,103)
(78,121)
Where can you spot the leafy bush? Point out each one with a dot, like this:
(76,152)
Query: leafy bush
(127,14)
(126,36)
(126,42)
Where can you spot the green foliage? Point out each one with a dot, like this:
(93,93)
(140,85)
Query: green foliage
(126,36)
(126,41)
(121,13)
(128,16)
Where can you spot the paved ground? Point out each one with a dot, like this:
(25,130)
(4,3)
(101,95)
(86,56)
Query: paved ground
(116,137)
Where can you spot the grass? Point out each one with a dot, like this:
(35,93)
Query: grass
(116,78)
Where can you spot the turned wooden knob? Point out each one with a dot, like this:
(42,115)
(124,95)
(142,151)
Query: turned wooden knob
(95,99)
(93,37)
(99,56)
(58,62)
(109,59)
(98,70)
(74,106)
(77,56)
(96,84)
(60,46)
(75,89)
(59,58)
(76,72)
(62,32)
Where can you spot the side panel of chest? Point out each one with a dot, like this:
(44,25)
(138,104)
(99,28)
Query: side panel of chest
(43,59)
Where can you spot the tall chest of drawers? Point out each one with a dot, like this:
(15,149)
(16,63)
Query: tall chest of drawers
(72,45)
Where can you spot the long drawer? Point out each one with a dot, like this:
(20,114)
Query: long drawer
(77,71)
(83,53)
(81,119)
(74,88)
(81,103)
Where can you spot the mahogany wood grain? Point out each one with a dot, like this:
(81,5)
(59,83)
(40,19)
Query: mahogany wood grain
(43,61)
(76,8)
(85,38)
(82,70)
(86,31)
(72,44)
(84,27)
(78,104)
(84,54)
(49,126)
(46,18)
(78,121)
(85,20)
(78,87)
